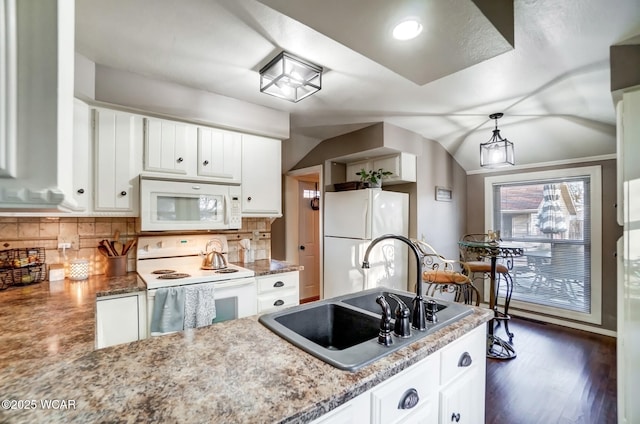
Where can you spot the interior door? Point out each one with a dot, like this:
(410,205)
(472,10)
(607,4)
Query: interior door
(308,241)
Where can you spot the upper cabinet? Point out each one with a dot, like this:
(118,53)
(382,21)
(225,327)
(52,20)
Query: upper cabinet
(118,161)
(168,146)
(401,165)
(82,188)
(261,177)
(219,155)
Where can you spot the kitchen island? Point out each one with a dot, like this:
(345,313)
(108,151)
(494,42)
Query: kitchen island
(231,372)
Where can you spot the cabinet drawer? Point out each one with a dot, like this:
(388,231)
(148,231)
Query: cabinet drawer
(277,300)
(278,282)
(418,380)
(454,359)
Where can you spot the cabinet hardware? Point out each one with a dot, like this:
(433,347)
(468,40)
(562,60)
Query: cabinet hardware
(205,163)
(123,193)
(180,160)
(80,191)
(409,399)
(455,417)
(465,360)
(302,247)
(278,302)
(249,198)
(278,284)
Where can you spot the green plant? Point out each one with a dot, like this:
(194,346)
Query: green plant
(373,176)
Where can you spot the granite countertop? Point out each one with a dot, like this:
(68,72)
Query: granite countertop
(270,266)
(197,376)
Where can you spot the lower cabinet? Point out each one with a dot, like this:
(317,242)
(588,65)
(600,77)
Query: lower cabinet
(277,291)
(446,387)
(120,319)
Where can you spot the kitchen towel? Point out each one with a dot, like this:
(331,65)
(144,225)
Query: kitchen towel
(168,311)
(199,305)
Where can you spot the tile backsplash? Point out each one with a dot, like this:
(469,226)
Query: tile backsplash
(86,232)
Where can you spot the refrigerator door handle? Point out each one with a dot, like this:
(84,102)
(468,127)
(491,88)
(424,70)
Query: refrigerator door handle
(366,219)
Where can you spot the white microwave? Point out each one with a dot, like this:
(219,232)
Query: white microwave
(181,205)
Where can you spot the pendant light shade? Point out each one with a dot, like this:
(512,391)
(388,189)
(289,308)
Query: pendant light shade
(290,77)
(498,151)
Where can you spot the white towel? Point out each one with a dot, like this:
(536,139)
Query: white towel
(199,305)
(168,311)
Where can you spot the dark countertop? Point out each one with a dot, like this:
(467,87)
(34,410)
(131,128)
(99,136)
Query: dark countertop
(47,352)
(270,266)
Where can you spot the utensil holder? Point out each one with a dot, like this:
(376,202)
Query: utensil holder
(116,266)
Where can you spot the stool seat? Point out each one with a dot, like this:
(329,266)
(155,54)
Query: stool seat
(445,277)
(481,266)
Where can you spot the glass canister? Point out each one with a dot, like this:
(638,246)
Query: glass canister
(79,269)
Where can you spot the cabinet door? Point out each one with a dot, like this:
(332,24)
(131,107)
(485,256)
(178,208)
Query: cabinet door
(462,400)
(354,167)
(82,154)
(166,145)
(117,321)
(356,411)
(117,144)
(219,155)
(261,176)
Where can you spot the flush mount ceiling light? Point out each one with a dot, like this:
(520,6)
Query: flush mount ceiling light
(406,30)
(290,77)
(498,151)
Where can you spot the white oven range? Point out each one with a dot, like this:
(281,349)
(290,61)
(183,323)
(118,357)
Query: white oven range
(169,261)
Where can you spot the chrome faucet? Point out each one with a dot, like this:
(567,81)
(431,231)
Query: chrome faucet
(418,319)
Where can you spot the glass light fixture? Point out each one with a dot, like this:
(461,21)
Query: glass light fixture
(406,30)
(290,77)
(498,151)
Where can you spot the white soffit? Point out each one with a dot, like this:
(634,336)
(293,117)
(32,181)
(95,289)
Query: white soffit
(456,34)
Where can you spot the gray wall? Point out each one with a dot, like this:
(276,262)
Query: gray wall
(611,231)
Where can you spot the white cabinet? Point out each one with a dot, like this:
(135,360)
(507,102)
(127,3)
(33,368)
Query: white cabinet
(118,161)
(277,291)
(118,319)
(462,379)
(168,146)
(448,386)
(82,188)
(401,165)
(261,177)
(219,155)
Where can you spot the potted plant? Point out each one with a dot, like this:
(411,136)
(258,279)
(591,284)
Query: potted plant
(372,178)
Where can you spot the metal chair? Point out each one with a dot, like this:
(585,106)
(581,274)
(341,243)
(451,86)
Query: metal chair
(478,268)
(441,275)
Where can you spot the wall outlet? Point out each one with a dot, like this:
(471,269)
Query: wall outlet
(69,242)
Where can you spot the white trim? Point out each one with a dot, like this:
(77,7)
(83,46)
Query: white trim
(544,164)
(595,174)
(8,88)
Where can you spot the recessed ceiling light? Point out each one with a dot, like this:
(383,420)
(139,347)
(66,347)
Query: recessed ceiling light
(406,30)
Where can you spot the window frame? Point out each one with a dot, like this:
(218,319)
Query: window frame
(595,175)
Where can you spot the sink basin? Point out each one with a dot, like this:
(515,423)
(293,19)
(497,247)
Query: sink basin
(343,331)
(332,326)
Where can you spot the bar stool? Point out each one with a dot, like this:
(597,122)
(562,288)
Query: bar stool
(440,276)
(479,269)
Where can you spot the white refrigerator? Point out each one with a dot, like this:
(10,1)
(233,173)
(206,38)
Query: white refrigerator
(351,220)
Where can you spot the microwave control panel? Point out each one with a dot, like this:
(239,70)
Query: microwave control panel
(235,220)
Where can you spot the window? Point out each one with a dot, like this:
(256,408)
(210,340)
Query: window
(555,216)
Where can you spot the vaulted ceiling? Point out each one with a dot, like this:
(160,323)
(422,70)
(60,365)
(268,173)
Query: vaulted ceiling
(543,63)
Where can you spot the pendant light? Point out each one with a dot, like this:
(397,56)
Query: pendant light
(498,151)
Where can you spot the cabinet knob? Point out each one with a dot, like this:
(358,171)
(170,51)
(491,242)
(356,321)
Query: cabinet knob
(455,417)
(80,191)
(123,193)
(205,163)
(249,198)
(278,284)
(465,360)
(180,160)
(409,399)
(302,247)
(278,302)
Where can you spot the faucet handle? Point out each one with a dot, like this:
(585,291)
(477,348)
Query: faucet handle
(384,336)
(402,327)
(432,308)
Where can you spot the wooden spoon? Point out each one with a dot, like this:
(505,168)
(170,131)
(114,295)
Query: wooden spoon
(104,251)
(118,247)
(128,246)
(105,243)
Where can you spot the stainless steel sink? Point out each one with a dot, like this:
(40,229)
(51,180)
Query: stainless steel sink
(343,331)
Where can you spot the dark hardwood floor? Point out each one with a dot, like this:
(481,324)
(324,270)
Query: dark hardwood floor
(560,375)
